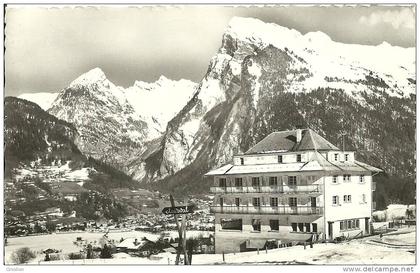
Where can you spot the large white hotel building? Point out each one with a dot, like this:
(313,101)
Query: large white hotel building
(292,186)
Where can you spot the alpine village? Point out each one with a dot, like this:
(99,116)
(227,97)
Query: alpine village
(291,146)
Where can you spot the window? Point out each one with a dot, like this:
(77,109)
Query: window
(256,201)
(314,227)
(293,201)
(335,179)
(363,198)
(300,226)
(349,224)
(292,181)
(336,157)
(237,201)
(222,182)
(242,161)
(231,224)
(238,182)
(335,200)
(346,178)
(255,182)
(274,225)
(273,181)
(346,157)
(362,178)
(347,198)
(280,159)
(221,201)
(298,158)
(307,227)
(274,202)
(256,224)
(294,226)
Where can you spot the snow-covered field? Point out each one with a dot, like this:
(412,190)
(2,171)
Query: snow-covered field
(64,241)
(354,252)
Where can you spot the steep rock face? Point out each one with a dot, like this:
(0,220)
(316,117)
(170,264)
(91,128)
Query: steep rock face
(266,78)
(108,125)
(116,123)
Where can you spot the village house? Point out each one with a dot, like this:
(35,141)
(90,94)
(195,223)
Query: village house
(133,246)
(292,186)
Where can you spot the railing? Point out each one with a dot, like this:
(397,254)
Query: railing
(267,210)
(268,189)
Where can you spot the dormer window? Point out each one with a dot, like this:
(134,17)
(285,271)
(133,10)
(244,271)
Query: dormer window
(336,157)
(242,161)
(280,159)
(298,158)
(346,157)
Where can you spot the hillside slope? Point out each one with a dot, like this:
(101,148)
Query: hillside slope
(269,78)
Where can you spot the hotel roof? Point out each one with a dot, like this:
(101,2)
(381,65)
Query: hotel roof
(316,163)
(286,141)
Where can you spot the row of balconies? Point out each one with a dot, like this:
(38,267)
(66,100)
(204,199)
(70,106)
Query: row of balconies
(268,189)
(282,210)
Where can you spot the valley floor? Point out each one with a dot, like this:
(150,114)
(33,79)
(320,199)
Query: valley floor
(393,248)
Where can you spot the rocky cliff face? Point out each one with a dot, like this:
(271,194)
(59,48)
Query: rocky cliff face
(266,78)
(115,123)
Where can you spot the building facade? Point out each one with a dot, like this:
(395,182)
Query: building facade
(292,186)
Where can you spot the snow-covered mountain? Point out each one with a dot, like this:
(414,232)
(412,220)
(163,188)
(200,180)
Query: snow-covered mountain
(43,99)
(114,123)
(266,78)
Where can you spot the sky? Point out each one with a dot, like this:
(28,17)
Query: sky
(47,48)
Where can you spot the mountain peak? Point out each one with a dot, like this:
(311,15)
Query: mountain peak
(255,30)
(95,75)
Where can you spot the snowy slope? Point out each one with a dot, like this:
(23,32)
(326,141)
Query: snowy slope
(326,58)
(161,100)
(43,99)
(266,77)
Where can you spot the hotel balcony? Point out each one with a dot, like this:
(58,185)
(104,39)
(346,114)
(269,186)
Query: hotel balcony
(269,189)
(281,210)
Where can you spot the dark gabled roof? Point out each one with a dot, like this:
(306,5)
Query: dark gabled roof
(286,141)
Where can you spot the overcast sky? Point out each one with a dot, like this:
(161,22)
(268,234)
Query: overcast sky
(48,48)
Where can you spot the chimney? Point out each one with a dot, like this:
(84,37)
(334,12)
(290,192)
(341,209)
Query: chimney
(298,135)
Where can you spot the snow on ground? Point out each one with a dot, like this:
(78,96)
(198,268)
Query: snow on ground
(393,212)
(353,252)
(64,241)
(82,174)
(52,173)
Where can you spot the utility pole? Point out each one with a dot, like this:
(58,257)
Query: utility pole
(178,251)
